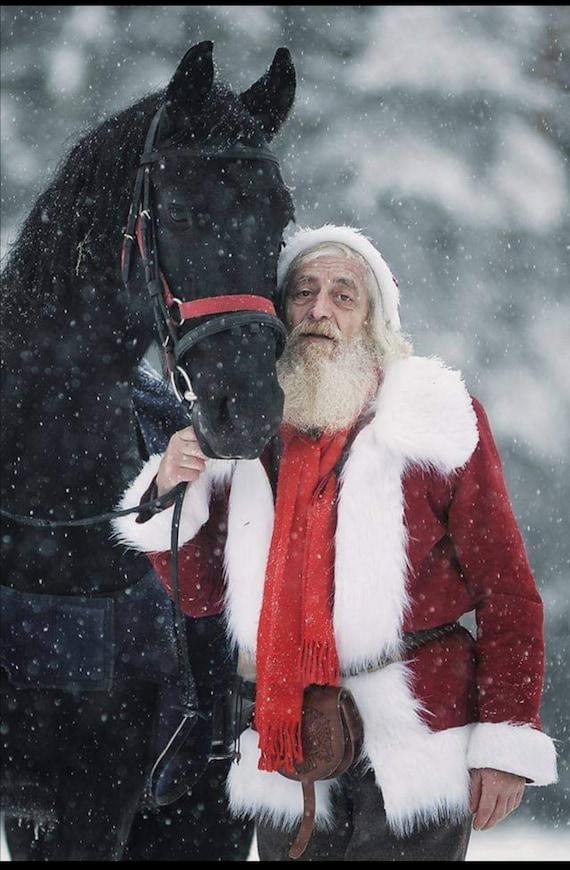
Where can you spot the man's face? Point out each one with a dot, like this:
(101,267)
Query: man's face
(328,290)
(329,369)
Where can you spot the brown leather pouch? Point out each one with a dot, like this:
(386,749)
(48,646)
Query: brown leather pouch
(331,733)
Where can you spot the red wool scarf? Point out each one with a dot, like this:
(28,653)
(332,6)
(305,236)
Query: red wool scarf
(295,641)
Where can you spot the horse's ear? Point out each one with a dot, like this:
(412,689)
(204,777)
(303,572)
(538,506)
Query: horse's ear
(191,83)
(271,97)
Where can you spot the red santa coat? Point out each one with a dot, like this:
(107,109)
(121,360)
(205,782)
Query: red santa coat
(425,536)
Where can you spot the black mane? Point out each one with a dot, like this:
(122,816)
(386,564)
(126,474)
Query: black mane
(73,233)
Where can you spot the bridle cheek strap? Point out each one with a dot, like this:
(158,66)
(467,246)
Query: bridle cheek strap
(209,304)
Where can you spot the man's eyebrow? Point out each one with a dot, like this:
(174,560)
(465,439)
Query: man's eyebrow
(312,276)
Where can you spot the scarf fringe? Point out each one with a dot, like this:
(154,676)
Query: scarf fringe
(283,748)
(319,664)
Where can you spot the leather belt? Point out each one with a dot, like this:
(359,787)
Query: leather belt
(411,640)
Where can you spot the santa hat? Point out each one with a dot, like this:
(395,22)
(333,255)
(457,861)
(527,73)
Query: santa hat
(306,238)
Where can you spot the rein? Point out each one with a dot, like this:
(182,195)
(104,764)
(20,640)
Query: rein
(157,503)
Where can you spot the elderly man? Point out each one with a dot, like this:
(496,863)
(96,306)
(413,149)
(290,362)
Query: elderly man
(349,554)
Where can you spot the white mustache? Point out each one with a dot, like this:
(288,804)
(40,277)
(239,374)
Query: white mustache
(317,327)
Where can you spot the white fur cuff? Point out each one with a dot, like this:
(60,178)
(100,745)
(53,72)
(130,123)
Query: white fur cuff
(518,749)
(154,535)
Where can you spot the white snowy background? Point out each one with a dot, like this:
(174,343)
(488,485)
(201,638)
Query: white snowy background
(444,133)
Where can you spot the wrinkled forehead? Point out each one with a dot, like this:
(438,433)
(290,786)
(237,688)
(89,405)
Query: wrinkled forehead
(337,268)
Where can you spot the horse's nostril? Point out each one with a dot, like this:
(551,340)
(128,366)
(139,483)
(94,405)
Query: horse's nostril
(225,414)
(228,411)
(223,411)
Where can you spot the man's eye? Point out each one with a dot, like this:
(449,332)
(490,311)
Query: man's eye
(177,212)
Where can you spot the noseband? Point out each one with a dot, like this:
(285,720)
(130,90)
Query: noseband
(170,313)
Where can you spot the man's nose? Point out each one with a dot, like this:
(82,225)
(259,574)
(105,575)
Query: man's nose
(322,307)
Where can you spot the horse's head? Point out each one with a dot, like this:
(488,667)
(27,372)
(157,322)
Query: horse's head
(209,210)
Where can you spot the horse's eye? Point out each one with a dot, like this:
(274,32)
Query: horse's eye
(177,212)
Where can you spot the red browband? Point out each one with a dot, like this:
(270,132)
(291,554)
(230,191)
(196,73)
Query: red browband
(220,304)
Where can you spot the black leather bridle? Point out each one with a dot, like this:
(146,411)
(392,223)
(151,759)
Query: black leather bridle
(226,311)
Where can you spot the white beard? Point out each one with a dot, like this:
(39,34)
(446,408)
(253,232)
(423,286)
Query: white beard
(326,392)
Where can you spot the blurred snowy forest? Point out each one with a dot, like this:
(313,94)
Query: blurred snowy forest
(444,133)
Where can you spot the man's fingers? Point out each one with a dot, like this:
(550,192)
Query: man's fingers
(494,795)
(497,815)
(183,461)
(514,800)
(475,792)
(188,475)
(189,461)
(186,434)
(169,477)
(484,813)
(188,439)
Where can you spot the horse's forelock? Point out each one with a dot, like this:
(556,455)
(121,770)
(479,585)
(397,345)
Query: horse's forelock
(222,122)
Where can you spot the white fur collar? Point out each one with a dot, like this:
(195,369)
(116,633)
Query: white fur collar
(424,414)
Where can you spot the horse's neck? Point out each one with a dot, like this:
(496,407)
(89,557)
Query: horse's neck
(69,448)
(68,432)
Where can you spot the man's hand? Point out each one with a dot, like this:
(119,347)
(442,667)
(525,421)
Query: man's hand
(182,461)
(494,795)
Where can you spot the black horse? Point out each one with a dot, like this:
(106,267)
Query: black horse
(161,228)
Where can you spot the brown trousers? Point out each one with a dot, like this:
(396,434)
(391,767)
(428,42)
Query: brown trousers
(360,832)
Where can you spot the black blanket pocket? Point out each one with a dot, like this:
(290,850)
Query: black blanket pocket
(56,642)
